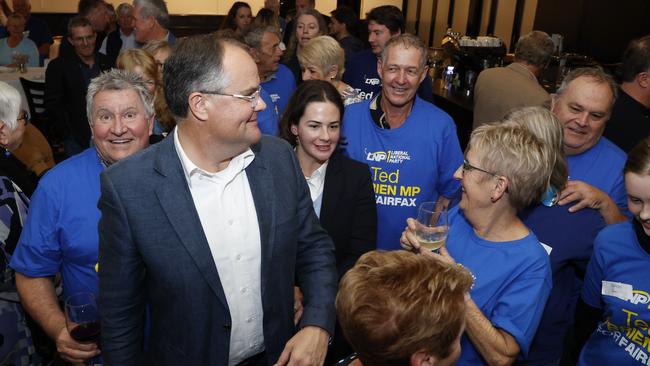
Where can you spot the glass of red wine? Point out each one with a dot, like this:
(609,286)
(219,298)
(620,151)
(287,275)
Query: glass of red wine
(82,318)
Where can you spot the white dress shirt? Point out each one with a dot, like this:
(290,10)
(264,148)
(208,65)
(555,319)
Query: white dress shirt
(316,184)
(128,42)
(227,212)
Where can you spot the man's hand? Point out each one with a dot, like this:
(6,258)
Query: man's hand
(73,351)
(584,195)
(307,348)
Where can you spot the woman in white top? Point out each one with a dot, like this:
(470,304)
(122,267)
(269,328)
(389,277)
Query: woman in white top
(17,43)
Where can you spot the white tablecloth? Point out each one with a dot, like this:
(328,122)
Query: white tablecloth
(12,78)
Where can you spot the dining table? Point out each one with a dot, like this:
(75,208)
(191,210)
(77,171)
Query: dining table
(11,76)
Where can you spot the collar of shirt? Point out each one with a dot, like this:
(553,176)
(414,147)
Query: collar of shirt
(317,181)
(520,68)
(270,77)
(236,165)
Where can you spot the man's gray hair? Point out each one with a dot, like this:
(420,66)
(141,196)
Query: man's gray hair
(407,41)
(255,34)
(9,105)
(597,74)
(196,65)
(154,8)
(535,48)
(124,8)
(117,80)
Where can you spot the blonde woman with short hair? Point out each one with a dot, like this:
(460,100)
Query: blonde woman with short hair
(322,58)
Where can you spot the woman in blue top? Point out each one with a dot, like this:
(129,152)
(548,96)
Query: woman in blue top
(617,283)
(17,43)
(506,168)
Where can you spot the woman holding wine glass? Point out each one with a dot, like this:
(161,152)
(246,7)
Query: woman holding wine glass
(340,188)
(17,43)
(506,168)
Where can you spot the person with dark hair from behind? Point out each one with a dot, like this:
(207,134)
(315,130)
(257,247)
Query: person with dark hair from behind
(403,309)
(66,81)
(613,314)
(239,18)
(343,27)
(629,122)
(341,188)
(501,89)
(384,22)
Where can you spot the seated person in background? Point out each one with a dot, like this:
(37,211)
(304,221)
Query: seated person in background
(506,169)
(239,18)
(66,82)
(142,63)
(17,43)
(122,38)
(630,119)
(614,313)
(39,32)
(308,25)
(27,155)
(343,27)
(402,309)
(500,89)
(322,58)
(60,233)
(583,104)
(151,22)
(567,236)
(384,22)
(341,188)
(410,145)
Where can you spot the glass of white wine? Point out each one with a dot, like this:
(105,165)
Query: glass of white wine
(432,226)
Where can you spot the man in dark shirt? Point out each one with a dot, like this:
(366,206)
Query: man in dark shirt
(630,120)
(38,30)
(66,82)
(343,27)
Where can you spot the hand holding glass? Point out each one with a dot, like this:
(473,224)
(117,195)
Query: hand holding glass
(431,227)
(82,318)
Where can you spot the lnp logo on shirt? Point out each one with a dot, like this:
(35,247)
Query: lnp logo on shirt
(390,156)
(275,97)
(373,81)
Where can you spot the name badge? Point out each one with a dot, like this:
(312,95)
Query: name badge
(620,290)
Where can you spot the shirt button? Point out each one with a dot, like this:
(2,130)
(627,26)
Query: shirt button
(243,290)
(249,320)
(238,257)
(230,222)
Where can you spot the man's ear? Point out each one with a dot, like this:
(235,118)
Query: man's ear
(197,106)
(500,188)
(255,55)
(643,79)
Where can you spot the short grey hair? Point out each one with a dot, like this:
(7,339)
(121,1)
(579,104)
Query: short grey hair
(117,80)
(535,48)
(196,65)
(9,105)
(154,8)
(255,34)
(596,74)
(124,8)
(407,41)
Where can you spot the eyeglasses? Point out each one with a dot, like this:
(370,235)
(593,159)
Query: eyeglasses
(467,167)
(253,98)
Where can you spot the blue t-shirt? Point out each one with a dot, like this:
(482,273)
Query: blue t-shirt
(409,165)
(267,119)
(602,167)
(361,74)
(60,233)
(618,262)
(569,237)
(512,282)
(280,87)
(26,46)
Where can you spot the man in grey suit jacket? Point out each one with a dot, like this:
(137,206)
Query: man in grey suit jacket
(211,228)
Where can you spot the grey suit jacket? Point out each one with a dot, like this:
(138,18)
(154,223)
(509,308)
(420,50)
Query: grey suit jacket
(152,250)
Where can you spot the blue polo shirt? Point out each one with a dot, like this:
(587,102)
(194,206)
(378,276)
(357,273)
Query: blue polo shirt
(361,74)
(60,233)
(280,87)
(268,119)
(602,167)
